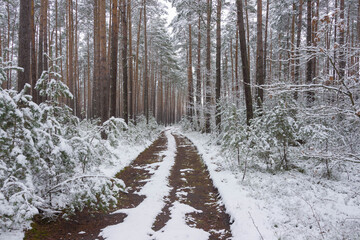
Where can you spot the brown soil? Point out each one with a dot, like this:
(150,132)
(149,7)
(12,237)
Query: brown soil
(92,222)
(188,175)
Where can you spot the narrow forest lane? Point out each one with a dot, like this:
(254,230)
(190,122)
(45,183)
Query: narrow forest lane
(170,196)
(193,198)
(87,225)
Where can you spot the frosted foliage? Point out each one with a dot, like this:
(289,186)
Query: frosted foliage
(49,159)
(50,83)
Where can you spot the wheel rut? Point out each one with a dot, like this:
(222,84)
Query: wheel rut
(190,186)
(89,223)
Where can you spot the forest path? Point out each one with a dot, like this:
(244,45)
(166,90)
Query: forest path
(170,196)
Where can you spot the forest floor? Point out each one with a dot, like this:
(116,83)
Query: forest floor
(169,196)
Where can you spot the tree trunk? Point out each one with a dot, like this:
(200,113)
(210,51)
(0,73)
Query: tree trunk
(208,69)
(358,41)
(309,64)
(260,56)
(218,65)
(24,44)
(88,105)
(298,42)
(292,37)
(136,90)
(131,83)
(71,79)
(146,93)
(266,37)
(247,29)
(76,65)
(198,73)
(245,62)
(237,80)
(33,53)
(125,61)
(96,89)
(114,55)
(342,62)
(190,81)
(103,63)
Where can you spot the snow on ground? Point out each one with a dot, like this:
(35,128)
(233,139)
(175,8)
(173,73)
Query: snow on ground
(12,235)
(177,229)
(137,225)
(123,156)
(287,205)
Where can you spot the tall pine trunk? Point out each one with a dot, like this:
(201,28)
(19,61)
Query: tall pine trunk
(146,84)
(24,44)
(124,61)
(114,57)
(104,79)
(136,79)
(309,64)
(190,80)
(33,53)
(198,73)
(245,62)
(130,63)
(218,65)
(208,70)
(342,62)
(260,56)
(298,42)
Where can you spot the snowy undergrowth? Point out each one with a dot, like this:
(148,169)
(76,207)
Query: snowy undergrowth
(285,204)
(51,162)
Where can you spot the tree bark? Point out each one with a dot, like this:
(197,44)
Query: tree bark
(218,65)
(266,37)
(309,64)
(24,44)
(342,62)
(71,80)
(131,83)
(260,56)
(358,41)
(114,57)
(125,61)
(137,89)
(96,90)
(245,62)
(292,52)
(198,73)
(208,69)
(298,42)
(33,54)
(146,84)
(190,81)
(103,63)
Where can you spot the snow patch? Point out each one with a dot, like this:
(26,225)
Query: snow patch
(137,225)
(177,228)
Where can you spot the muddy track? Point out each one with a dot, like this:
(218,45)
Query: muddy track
(90,223)
(190,184)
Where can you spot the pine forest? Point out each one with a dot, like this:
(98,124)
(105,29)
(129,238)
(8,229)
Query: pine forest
(179,119)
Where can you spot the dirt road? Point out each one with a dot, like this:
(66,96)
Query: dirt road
(170,178)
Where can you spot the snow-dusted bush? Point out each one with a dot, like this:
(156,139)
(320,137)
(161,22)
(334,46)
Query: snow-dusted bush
(142,132)
(47,158)
(274,131)
(266,140)
(234,137)
(331,142)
